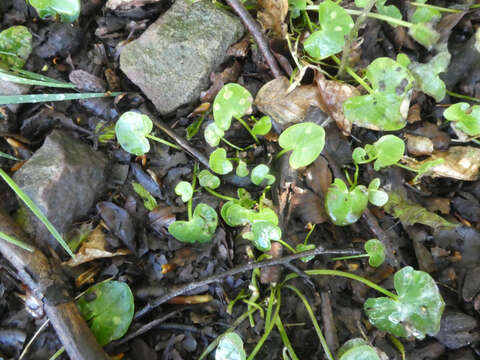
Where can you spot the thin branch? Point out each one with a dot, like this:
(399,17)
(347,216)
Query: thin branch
(177,291)
(257,34)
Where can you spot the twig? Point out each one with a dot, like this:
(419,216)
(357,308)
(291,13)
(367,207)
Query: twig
(257,34)
(177,291)
(27,347)
(351,36)
(43,277)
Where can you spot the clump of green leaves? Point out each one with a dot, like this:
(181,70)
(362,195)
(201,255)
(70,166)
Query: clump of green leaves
(15,46)
(375,253)
(345,205)
(416,311)
(200,227)
(261,175)
(357,349)
(386,151)
(67,10)
(465,117)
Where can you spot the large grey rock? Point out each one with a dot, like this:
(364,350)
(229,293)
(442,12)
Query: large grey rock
(63,177)
(171,62)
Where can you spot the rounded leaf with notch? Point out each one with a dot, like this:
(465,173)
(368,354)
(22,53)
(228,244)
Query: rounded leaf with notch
(389,149)
(232,101)
(131,129)
(376,197)
(261,175)
(185,190)
(262,234)
(15,46)
(199,229)
(344,206)
(230,347)
(235,214)
(213,134)
(207,179)
(417,311)
(465,117)
(108,308)
(67,10)
(376,252)
(335,26)
(357,349)
(306,140)
(262,126)
(424,34)
(386,108)
(242,169)
(219,163)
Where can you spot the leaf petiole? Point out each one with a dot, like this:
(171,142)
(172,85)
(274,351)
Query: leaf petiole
(218,195)
(351,257)
(165,142)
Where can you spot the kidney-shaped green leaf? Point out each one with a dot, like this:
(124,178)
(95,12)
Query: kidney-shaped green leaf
(417,311)
(232,101)
(131,129)
(207,179)
(67,10)
(344,207)
(219,163)
(306,140)
(199,229)
(261,175)
(15,46)
(386,108)
(230,347)
(108,308)
(376,251)
(389,150)
(357,349)
(262,234)
(466,118)
(184,190)
(335,25)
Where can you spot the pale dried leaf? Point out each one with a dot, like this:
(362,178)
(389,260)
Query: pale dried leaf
(414,113)
(319,177)
(272,16)
(286,108)
(419,145)
(127,4)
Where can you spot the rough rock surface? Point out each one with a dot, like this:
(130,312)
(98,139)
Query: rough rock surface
(63,177)
(171,62)
(8,88)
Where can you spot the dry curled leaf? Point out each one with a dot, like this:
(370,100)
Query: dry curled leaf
(333,94)
(272,16)
(230,74)
(286,107)
(419,145)
(127,4)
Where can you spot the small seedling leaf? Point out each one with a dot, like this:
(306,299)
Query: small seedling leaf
(261,175)
(262,126)
(305,247)
(235,215)
(131,129)
(306,140)
(199,229)
(377,197)
(262,234)
(148,200)
(242,169)
(376,251)
(344,206)
(185,190)
(417,311)
(265,214)
(108,308)
(424,34)
(67,10)
(219,163)
(105,132)
(335,24)
(207,179)
(295,6)
(357,349)
(386,108)
(232,101)
(425,14)
(466,117)
(15,46)
(230,347)
(389,149)
(213,134)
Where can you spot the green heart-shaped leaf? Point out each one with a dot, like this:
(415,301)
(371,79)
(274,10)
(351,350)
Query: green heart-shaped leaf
(424,34)
(199,229)
(386,108)
(218,162)
(389,150)
(185,190)
(264,214)
(375,196)
(295,6)
(230,347)
(426,75)
(357,349)
(335,25)
(232,101)
(344,207)
(425,14)
(131,129)
(108,308)
(466,117)
(207,179)
(306,140)
(262,126)
(263,232)
(261,175)
(417,311)
(213,134)
(305,247)
(242,169)
(67,10)
(15,46)
(376,251)
(235,214)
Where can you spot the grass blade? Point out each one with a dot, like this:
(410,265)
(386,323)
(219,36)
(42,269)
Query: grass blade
(36,210)
(9,157)
(37,98)
(14,241)
(26,80)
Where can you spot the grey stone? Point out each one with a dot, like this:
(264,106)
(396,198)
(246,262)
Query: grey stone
(63,177)
(171,62)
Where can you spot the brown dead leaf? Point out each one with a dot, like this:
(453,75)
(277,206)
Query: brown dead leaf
(87,277)
(126,4)
(419,145)
(230,74)
(239,49)
(285,108)
(308,206)
(319,177)
(438,204)
(272,16)
(414,113)
(94,248)
(333,94)
(440,139)
(270,275)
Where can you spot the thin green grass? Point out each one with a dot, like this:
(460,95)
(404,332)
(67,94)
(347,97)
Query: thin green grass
(29,78)
(16,242)
(38,98)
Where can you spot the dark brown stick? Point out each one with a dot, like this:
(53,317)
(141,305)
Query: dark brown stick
(257,34)
(46,283)
(177,291)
